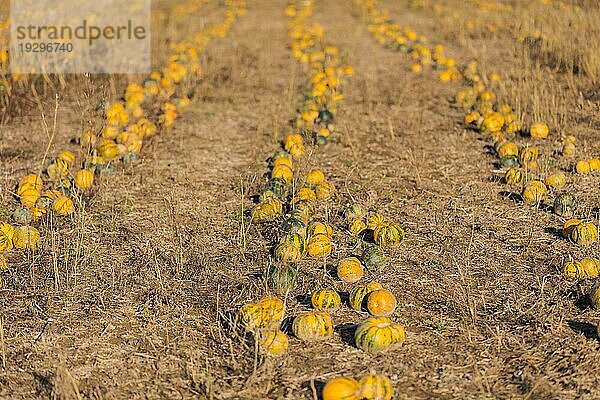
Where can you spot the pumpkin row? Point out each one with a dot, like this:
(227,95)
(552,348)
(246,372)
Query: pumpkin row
(498,121)
(301,233)
(125,127)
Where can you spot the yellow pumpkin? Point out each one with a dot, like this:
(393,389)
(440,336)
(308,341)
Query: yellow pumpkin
(325,190)
(304,194)
(67,156)
(341,388)
(590,266)
(84,179)
(569,226)
(109,132)
(584,233)
(492,123)
(357,226)
(33,181)
(350,270)
(63,206)
(108,149)
(29,197)
(358,295)
(472,118)
(57,170)
(283,172)
(319,245)
(273,342)
(515,176)
(569,149)
(530,165)
(594,164)
(556,181)
(535,192)
(583,167)
(375,221)
(354,212)
(487,96)
(317,228)
(250,317)
(273,311)
(574,270)
(38,212)
(378,334)
(528,153)
(267,210)
(292,140)
(7,232)
(381,302)
(315,178)
(305,207)
(508,149)
(326,300)
(26,238)
(375,387)
(3,263)
(595,297)
(315,325)
(296,150)
(539,130)
(296,240)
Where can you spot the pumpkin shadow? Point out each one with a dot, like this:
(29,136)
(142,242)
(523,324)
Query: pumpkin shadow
(367,235)
(554,231)
(331,270)
(286,326)
(585,328)
(497,179)
(489,149)
(344,297)
(227,321)
(346,332)
(304,300)
(582,302)
(512,196)
(314,385)
(255,199)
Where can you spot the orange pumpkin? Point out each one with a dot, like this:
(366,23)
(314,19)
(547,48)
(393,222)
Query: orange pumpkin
(341,388)
(381,302)
(350,270)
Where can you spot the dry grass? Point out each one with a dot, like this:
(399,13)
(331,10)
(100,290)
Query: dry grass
(131,298)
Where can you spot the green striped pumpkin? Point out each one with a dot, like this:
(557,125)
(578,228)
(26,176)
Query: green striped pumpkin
(353,212)
(326,300)
(378,334)
(282,278)
(376,387)
(287,253)
(372,256)
(315,325)
(565,204)
(358,295)
(388,234)
(294,225)
(296,240)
